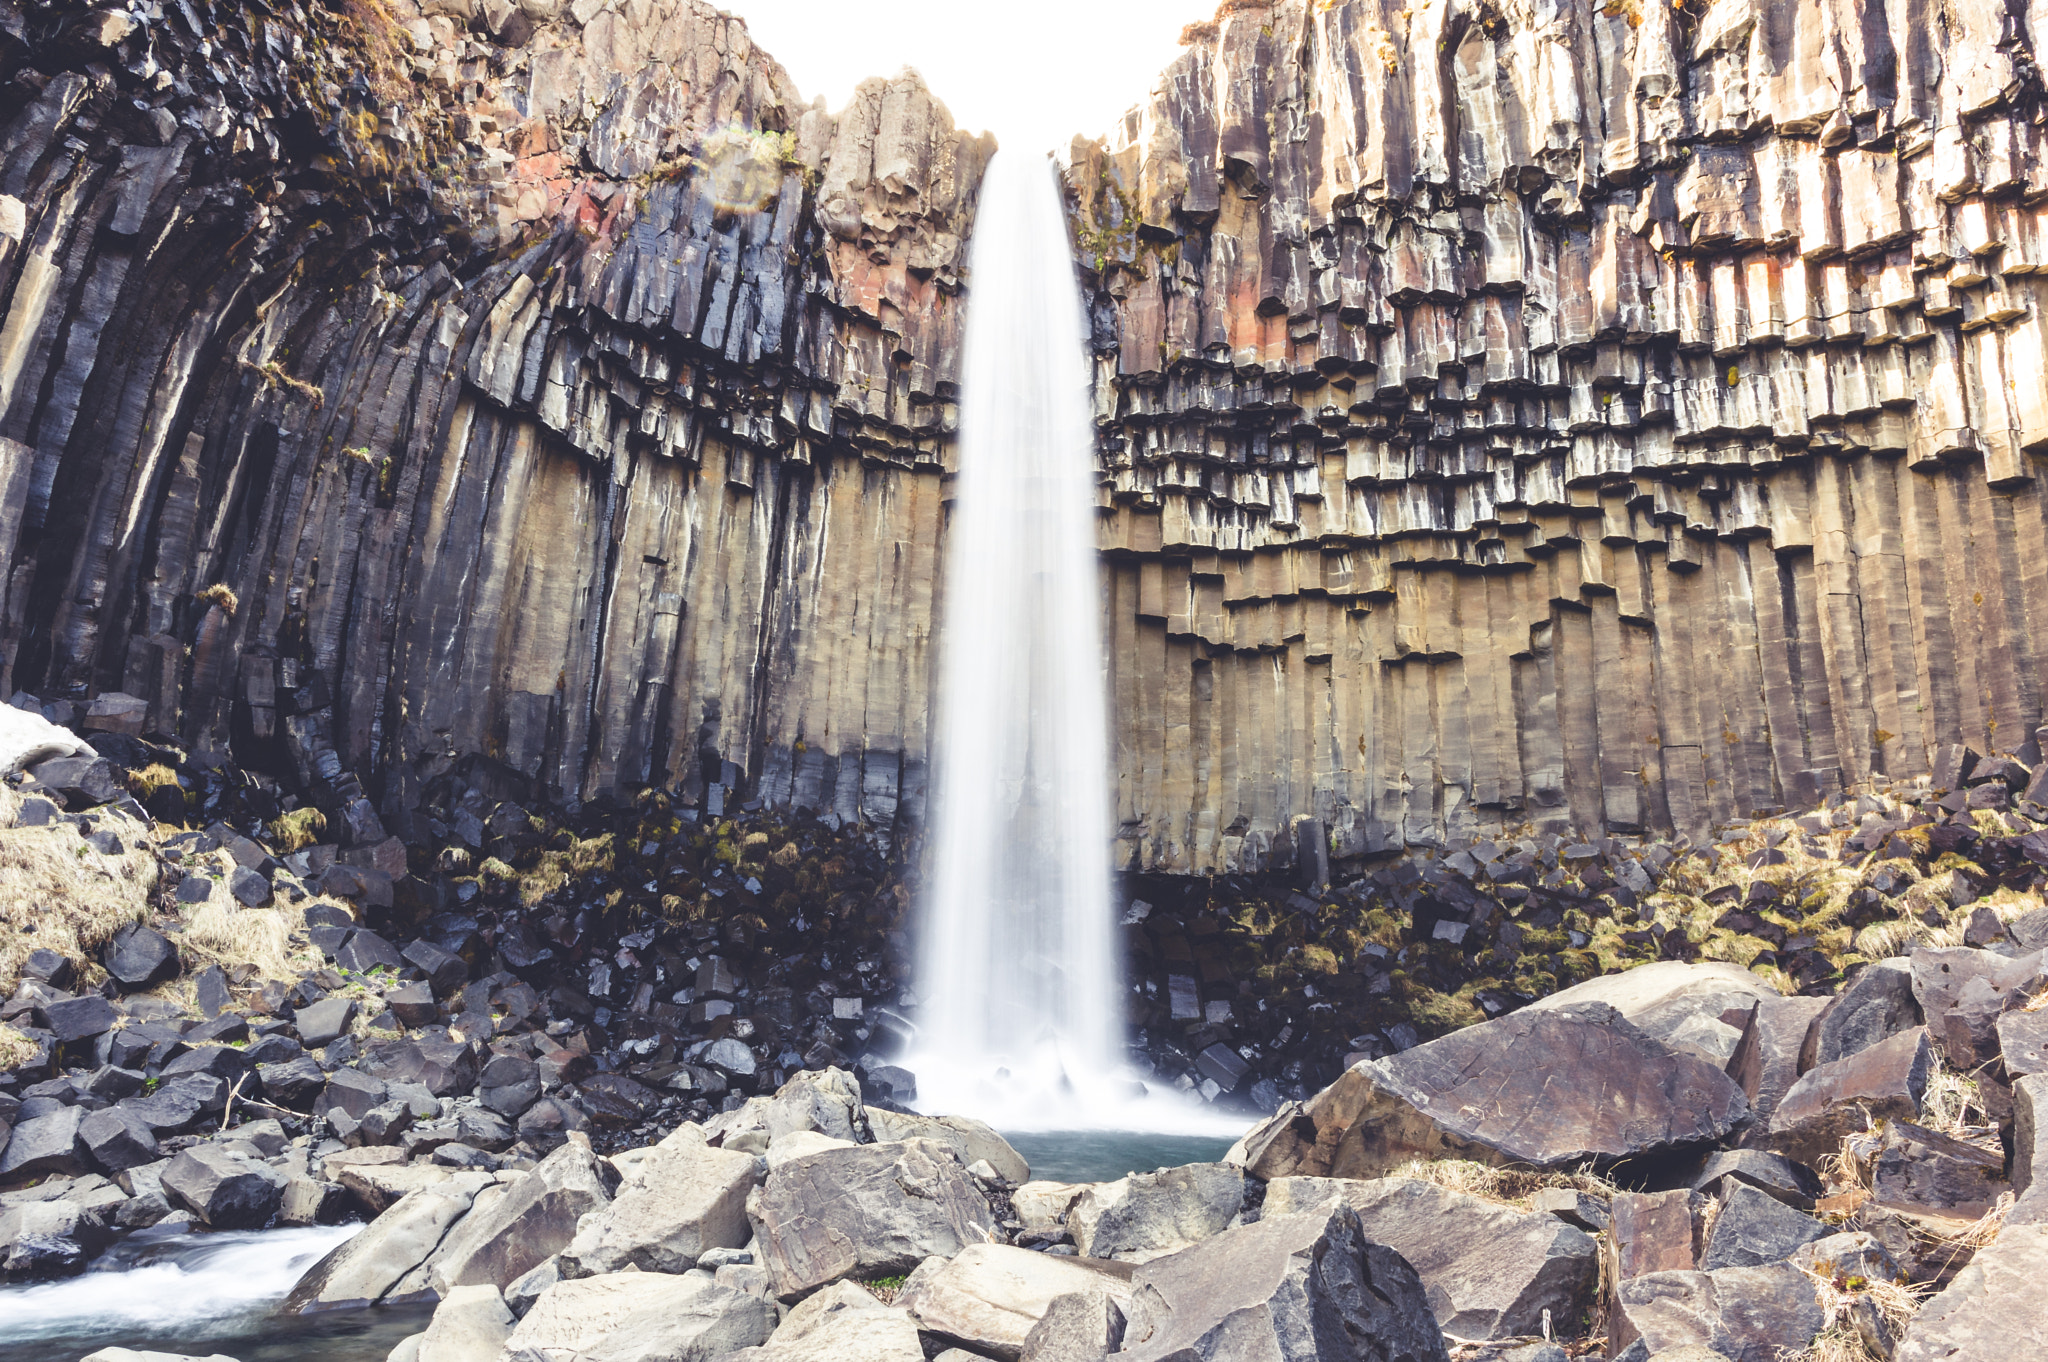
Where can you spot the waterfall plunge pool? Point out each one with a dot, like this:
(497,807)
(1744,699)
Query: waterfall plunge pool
(180,1292)
(1105,1155)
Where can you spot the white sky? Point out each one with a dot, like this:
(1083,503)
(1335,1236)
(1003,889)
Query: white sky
(1034,73)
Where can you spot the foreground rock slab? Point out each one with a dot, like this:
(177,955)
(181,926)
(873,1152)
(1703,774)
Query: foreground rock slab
(1884,1082)
(991,1296)
(873,1210)
(1548,1088)
(1290,1288)
(532,1219)
(1148,1215)
(640,1317)
(1746,1314)
(840,1323)
(1489,1271)
(683,1199)
(386,1260)
(1995,1307)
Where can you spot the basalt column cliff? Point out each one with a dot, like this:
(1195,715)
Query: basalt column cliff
(1617,418)
(1621,415)
(537,397)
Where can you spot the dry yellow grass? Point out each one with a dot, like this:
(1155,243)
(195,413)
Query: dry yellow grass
(57,892)
(299,828)
(15,1048)
(1841,1300)
(1505,1186)
(1836,1343)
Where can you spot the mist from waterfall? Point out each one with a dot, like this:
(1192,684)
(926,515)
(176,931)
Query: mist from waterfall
(1020,998)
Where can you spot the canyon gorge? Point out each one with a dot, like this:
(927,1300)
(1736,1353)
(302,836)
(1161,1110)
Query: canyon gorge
(1508,415)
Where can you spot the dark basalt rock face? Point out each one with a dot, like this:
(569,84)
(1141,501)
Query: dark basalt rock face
(411,406)
(389,400)
(1502,410)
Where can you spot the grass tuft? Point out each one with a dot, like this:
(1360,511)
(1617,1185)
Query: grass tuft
(299,828)
(57,893)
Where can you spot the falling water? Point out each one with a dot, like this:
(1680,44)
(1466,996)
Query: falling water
(1019,999)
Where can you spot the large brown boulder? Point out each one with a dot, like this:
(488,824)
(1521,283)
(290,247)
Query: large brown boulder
(1489,1271)
(1746,1314)
(1884,1082)
(1542,1088)
(1995,1308)
(874,1210)
(1142,1216)
(1767,1062)
(1290,1288)
(640,1317)
(683,1199)
(533,1219)
(991,1296)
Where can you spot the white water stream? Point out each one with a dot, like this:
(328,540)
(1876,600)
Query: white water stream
(1020,1017)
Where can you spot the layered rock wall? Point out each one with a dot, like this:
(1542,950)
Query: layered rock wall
(1614,418)
(538,397)
(1623,416)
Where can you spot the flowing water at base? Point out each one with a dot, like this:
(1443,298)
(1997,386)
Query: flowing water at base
(1105,1155)
(198,1294)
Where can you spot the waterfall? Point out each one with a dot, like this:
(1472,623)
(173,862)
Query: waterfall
(1020,999)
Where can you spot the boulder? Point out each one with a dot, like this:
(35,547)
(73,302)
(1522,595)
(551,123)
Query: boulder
(391,1251)
(2029,1134)
(1079,1327)
(294,1082)
(2023,1043)
(1640,990)
(1885,1081)
(140,957)
(1921,1169)
(795,1144)
(827,1101)
(1583,1209)
(324,1021)
(50,1239)
(1489,1271)
(1874,1006)
(840,1323)
(1995,1308)
(379,1187)
(1547,1088)
(1940,973)
(990,1296)
(1143,1216)
(1853,1253)
(683,1199)
(83,781)
(534,1218)
(80,1018)
(46,1144)
(117,1139)
(1792,1183)
(1969,1029)
(178,1102)
(640,1317)
(1754,1228)
(1650,1232)
(1290,1288)
(223,1189)
(875,1210)
(968,1138)
(470,1324)
(1746,1314)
